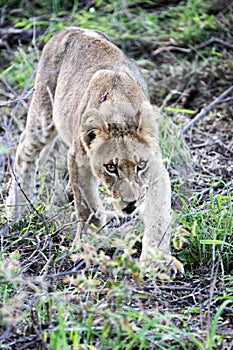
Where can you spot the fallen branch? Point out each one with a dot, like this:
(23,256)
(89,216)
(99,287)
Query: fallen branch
(13,36)
(206,110)
(212,40)
(170,48)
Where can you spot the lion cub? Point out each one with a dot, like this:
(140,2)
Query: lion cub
(90,94)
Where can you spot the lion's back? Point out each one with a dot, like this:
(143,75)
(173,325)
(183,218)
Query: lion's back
(68,63)
(72,56)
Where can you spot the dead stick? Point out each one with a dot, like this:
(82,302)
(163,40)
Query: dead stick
(206,110)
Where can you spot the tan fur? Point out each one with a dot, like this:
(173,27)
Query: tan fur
(95,98)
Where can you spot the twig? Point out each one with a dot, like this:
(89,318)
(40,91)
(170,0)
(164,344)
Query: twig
(64,273)
(18,99)
(170,288)
(206,110)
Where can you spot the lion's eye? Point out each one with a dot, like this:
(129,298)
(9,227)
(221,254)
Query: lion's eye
(111,168)
(142,165)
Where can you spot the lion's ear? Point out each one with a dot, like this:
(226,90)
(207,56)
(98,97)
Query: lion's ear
(148,121)
(92,126)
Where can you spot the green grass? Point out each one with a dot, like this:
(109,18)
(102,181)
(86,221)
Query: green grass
(125,21)
(209,228)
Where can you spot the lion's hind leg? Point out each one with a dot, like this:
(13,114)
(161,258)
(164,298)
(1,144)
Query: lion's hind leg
(38,133)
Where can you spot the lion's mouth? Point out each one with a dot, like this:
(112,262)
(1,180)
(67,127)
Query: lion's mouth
(130,208)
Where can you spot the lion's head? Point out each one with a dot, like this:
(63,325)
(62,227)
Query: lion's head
(121,150)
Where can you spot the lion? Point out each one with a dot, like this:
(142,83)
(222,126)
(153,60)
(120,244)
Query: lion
(90,94)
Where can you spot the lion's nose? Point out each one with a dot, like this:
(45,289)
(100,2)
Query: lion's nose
(129,209)
(126,191)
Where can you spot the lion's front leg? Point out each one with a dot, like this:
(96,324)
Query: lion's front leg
(157,218)
(88,206)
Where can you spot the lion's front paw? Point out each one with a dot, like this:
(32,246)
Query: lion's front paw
(163,262)
(174,265)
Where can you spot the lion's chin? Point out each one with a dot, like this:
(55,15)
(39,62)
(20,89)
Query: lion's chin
(132,208)
(127,209)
